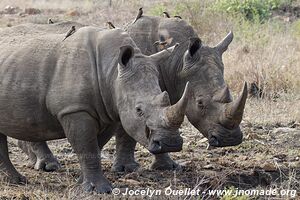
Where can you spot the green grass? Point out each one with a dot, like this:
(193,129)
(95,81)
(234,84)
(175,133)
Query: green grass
(253,10)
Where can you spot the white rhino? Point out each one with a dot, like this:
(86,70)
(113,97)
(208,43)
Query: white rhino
(83,89)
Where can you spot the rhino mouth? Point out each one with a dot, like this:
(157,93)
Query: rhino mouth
(162,144)
(225,137)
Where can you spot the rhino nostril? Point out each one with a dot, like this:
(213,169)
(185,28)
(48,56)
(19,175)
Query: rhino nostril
(157,144)
(155,147)
(213,141)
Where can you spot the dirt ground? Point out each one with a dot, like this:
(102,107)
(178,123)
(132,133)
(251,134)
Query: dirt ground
(268,158)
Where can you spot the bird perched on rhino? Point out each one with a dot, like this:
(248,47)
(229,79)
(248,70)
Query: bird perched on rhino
(139,15)
(178,17)
(163,44)
(110,25)
(166,14)
(50,21)
(71,32)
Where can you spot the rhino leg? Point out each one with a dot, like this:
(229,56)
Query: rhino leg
(164,162)
(6,167)
(124,160)
(102,140)
(25,146)
(125,145)
(81,130)
(40,156)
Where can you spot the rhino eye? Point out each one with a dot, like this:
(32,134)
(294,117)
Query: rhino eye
(139,111)
(200,103)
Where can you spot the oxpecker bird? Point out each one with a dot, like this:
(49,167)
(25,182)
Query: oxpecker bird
(72,31)
(163,44)
(139,15)
(110,25)
(50,21)
(166,15)
(177,16)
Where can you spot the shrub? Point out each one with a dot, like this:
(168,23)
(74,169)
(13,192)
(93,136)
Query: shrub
(254,10)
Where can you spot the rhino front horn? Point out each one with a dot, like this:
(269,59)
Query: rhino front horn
(234,110)
(175,113)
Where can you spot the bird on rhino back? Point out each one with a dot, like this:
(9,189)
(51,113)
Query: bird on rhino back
(83,89)
(211,108)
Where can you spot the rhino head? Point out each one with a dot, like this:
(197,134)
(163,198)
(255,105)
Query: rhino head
(211,108)
(145,111)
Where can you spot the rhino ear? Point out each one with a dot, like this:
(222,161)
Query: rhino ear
(223,45)
(126,53)
(194,45)
(163,55)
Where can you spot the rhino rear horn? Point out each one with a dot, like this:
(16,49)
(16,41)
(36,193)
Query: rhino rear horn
(175,113)
(163,55)
(234,111)
(223,45)
(223,96)
(163,99)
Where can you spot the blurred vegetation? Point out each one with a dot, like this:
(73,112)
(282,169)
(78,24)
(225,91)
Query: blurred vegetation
(254,10)
(265,49)
(266,45)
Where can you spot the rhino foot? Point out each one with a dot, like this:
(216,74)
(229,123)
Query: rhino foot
(47,164)
(125,166)
(164,162)
(16,179)
(39,155)
(98,184)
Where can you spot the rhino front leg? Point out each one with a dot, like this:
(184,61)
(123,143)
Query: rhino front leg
(164,162)
(125,161)
(40,156)
(102,140)
(6,167)
(124,157)
(81,130)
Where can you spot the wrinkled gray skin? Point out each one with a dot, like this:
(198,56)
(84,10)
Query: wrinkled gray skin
(84,89)
(39,154)
(210,108)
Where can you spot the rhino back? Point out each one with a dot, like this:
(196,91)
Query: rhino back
(177,29)
(26,69)
(149,29)
(44,77)
(144,33)
(31,29)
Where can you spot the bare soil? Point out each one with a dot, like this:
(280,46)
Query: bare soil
(269,156)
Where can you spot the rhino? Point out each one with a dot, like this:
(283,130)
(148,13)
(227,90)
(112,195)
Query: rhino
(211,108)
(83,89)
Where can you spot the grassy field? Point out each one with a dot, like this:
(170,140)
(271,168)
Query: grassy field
(265,50)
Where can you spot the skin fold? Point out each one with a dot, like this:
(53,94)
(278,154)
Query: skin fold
(83,89)
(211,108)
